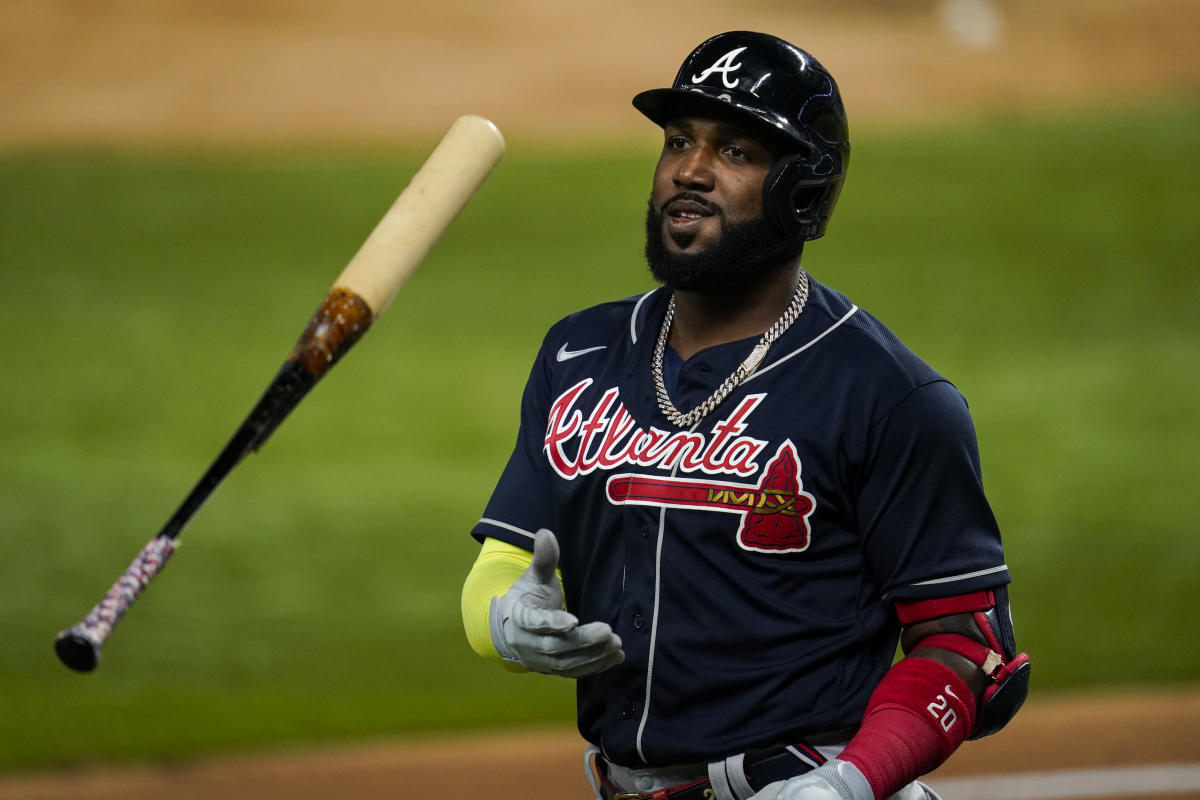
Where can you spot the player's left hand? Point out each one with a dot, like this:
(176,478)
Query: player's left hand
(834,780)
(530,627)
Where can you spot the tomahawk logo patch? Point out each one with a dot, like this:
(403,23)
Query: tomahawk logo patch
(774,512)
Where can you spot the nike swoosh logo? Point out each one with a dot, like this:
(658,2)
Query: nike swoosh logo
(566,355)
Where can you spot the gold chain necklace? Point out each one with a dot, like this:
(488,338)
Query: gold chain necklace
(743,371)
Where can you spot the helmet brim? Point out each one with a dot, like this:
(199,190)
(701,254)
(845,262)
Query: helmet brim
(662,106)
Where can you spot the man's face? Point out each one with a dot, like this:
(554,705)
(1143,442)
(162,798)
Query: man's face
(705,228)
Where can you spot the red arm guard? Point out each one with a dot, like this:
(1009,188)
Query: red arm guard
(977,627)
(918,715)
(923,710)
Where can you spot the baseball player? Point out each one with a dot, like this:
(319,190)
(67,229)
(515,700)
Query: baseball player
(732,496)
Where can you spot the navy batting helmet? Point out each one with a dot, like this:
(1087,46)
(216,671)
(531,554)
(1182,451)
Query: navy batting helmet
(778,88)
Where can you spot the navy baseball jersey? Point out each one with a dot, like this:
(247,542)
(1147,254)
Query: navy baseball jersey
(748,563)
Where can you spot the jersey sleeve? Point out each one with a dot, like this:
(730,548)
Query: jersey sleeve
(521,503)
(927,526)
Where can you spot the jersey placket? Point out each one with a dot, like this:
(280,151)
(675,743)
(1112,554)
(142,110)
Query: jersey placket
(696,383)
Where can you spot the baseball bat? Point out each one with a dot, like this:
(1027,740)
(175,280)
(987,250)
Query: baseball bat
(398,244)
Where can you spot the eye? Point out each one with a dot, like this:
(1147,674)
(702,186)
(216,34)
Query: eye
(676,143)
(737,153)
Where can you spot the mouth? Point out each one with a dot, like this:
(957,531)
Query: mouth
(686,210)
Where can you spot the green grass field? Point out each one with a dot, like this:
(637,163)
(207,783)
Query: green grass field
(1047,265)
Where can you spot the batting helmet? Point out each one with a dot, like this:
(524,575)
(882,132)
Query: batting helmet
(776,87)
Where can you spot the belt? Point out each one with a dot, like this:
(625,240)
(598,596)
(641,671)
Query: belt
(760,767)
(700,790)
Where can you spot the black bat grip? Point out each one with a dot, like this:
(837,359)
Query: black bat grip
(286,390)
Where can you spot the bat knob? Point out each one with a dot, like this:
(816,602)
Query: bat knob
(77,651)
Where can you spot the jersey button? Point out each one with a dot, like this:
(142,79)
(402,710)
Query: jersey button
(645,531)
(638,621)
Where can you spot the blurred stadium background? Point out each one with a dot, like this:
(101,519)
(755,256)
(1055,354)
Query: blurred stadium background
(181,180)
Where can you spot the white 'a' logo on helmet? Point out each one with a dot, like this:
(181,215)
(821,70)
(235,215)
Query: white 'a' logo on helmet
(723,65)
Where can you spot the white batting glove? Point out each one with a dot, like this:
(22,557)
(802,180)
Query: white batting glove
(833,780)
(530,627)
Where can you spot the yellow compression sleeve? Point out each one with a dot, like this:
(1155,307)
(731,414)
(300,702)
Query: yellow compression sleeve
(497,568)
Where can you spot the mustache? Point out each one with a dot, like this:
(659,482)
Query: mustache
(692,197)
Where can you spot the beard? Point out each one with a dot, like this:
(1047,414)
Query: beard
(745,254)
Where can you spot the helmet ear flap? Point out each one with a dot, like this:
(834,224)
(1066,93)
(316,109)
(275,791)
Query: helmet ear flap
(799,193)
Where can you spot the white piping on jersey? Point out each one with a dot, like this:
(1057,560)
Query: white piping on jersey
(662,526)
(633,317)
(506,526)
(963,577)
(801,349)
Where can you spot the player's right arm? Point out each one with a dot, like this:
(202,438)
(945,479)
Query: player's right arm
(517,617)
(497,568)
(512,601)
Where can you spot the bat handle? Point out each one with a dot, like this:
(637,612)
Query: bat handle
(79,646)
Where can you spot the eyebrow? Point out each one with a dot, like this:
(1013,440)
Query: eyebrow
(730,130)
(725,128)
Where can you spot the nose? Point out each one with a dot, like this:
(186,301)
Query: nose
(694,170)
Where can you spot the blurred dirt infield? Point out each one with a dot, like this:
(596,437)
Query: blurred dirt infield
(1067,733)
(126,73)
